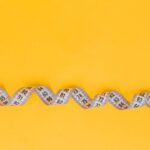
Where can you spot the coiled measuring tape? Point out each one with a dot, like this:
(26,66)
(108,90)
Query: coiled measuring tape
(79,95)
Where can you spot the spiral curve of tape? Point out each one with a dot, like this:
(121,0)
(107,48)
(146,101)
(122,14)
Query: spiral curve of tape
(78,94)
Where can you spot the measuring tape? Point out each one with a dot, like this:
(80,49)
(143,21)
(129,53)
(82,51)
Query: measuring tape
(79,95)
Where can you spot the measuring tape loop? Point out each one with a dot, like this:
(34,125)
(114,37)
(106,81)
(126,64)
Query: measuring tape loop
(78,94)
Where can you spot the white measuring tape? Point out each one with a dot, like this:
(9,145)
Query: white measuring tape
(80,96)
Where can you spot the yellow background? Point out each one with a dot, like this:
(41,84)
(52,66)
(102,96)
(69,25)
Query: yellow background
(97,45)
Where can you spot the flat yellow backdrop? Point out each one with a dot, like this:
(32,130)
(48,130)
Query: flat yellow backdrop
(97,45)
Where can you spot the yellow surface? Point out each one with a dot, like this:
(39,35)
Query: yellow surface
(95,44)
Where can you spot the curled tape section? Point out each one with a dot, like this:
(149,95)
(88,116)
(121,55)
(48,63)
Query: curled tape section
(79,95)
